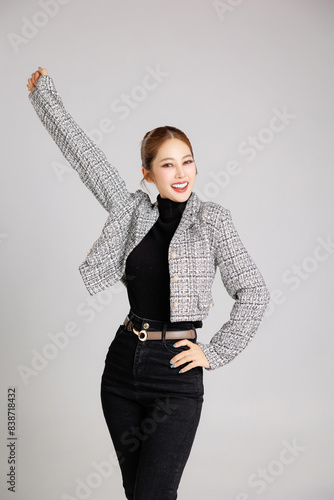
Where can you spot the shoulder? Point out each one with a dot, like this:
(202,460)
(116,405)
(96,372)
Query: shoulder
(213,213)
(137,204)
(142,199)
(143,204)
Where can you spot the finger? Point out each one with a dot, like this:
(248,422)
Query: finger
(187,368)
(179,343)
(35,77)
(193,350)
(179,355)
(182,358)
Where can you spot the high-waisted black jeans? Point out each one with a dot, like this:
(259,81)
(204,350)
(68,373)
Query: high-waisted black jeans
(152,411)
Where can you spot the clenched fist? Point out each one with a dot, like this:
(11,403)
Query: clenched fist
(34,78)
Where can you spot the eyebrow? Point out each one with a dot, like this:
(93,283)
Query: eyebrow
(174,158)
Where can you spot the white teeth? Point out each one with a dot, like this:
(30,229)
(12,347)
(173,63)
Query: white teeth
(180,185)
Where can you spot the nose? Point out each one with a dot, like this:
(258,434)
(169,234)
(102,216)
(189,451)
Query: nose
(179,171)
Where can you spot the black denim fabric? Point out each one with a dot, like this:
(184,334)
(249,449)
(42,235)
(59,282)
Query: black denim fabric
(152,411)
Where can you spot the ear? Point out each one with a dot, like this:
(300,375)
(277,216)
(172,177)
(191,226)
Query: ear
(147,175)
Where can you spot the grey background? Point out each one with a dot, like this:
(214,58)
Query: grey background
(225,74)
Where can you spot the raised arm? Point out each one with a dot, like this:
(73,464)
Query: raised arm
(245,284)
(80,151)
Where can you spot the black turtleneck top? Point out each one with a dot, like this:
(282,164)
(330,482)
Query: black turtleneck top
(147,271)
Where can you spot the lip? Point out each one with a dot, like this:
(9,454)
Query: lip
(181,190)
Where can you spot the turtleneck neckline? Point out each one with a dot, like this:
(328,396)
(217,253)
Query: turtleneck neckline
(169,209)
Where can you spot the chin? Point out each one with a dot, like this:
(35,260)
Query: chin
(180,196)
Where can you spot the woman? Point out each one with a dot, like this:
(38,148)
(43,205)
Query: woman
(166,254)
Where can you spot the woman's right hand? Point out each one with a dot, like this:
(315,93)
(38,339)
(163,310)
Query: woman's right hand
(34,78)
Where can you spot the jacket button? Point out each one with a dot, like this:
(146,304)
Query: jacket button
(173,255)
(175,304)
(146,326)
(210,305)
(175,278)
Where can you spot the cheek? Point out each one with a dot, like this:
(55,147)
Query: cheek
(164,176)
(192,173)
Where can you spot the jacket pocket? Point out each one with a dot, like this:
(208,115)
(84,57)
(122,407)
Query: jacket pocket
(205,302)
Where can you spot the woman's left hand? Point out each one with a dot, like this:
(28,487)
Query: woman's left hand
(193,354)
(34,78)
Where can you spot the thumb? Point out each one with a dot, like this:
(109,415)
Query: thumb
(43,71)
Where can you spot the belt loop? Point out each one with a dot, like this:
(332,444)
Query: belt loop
(163,330)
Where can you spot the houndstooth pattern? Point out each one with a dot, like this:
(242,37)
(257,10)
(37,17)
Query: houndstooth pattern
(204,240)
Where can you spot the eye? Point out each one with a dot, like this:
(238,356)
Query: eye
(167,165)
(189,161)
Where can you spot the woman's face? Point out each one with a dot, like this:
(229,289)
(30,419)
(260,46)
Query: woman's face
(173,166)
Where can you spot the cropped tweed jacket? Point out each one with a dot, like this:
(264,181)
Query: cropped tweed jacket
(204,239)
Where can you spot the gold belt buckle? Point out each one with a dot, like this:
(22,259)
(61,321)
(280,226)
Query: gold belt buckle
(142,332)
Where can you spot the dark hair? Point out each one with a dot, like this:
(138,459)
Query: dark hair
(154,139)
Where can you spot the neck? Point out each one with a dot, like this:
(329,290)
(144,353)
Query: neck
(169,209)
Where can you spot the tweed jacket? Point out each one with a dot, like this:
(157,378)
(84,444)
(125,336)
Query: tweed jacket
(204,240)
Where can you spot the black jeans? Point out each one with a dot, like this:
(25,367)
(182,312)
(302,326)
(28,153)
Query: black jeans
(152,411)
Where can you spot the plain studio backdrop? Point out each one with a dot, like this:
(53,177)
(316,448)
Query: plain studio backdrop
(251,84)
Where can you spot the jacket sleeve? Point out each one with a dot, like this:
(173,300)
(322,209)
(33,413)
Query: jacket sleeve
(80,151)
(245,284)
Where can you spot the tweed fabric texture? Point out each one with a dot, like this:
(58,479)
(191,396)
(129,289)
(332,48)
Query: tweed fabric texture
(204,240)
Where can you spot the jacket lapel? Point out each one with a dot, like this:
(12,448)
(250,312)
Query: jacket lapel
(190,213)
(147,214)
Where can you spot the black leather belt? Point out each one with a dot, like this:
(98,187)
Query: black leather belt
(157,335)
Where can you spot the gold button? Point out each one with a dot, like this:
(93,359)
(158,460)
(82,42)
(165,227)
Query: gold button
(173,255)
(175,304)
(175,278)
(210,305)
(146,326)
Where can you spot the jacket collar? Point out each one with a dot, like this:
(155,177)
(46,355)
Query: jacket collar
(190,213)
(146,218)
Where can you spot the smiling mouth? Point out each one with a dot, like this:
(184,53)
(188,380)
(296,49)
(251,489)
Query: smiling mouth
(182,186)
